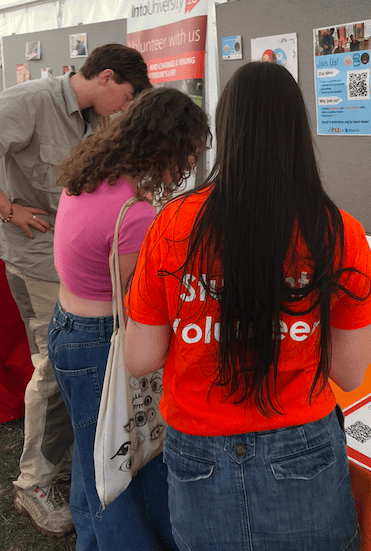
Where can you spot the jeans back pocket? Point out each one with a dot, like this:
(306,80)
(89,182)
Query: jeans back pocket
(187,468)
(305,464)
(81,390)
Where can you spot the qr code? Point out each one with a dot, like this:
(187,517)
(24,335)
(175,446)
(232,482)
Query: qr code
(359,431)
(358,85)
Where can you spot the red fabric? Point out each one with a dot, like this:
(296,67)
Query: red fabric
(186,404)
(15,359)
(361,487)
(8,309)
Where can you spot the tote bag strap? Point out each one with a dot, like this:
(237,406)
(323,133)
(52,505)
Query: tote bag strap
(117,305)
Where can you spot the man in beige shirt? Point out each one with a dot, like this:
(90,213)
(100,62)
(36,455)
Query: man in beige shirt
(39,122)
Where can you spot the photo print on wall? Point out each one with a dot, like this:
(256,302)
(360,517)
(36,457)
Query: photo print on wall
(78,45)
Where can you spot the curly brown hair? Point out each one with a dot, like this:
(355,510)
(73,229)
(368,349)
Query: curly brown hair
(163,129)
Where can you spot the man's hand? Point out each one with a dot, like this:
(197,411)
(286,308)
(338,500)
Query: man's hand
(24,217)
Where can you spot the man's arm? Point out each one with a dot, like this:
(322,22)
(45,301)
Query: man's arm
(15,109)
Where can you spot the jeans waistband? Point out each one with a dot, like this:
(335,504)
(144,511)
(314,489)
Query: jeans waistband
(102,325)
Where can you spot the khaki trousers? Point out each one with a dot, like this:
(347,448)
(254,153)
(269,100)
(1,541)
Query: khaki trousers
(48,435)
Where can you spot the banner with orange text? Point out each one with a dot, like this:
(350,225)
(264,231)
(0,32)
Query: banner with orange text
(171,35)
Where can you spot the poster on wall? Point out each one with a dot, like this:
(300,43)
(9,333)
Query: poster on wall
(47,72)
(33,50)
(232,47)
(23,72)
(68,68)
(171,38)
(78,45)
(342,79)
(281,49)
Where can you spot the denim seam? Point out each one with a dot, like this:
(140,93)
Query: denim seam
(86,514)
(77,372)
(193,457)
(86,422)
(356,535)
(83,327)
(145,495)
(244,507)
(79,345)
(181,539)
(299,453)
(91,372)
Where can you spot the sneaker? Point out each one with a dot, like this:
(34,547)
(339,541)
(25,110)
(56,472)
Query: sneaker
(46,509)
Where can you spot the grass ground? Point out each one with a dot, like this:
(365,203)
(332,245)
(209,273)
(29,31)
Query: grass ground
(16,532)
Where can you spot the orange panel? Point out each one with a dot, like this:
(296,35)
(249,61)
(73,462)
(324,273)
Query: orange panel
(345,399)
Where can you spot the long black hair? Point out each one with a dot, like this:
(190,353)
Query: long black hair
(266,198)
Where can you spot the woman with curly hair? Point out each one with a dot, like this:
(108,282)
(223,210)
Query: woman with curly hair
(150,148)
(252,291)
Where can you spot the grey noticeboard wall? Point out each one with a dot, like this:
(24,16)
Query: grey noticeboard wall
(55,48)
(345,162)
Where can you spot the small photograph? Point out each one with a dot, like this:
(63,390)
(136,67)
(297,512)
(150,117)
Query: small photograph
(78,45)
(47,72)
(33,50)
(68,68)
(23,72)
(343,39)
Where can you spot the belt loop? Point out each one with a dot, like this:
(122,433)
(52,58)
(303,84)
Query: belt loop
(64,319)
(69,323)
(102,332)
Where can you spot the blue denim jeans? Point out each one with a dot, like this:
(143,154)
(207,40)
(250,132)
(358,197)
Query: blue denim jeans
(138,519)
(279,490)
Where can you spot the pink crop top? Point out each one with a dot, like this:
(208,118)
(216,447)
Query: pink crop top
(83,237)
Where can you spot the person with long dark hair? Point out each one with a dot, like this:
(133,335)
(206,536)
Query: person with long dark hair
(148,150)
(253,290)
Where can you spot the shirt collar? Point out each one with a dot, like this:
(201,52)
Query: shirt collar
(71,101)
(69,94)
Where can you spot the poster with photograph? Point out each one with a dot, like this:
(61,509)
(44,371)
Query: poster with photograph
(232,47)
(23,72)
(281,49)
(47,72)
(78,45)
(68,68)
(357,419)
(342,79)
(33,50)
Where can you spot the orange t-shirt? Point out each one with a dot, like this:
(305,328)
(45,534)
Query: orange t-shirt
(187,403)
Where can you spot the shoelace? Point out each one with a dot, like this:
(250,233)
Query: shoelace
(54,497)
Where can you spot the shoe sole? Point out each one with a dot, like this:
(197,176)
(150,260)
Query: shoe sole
(24,513)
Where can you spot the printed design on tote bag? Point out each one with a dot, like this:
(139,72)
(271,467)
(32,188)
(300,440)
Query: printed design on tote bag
(145,396)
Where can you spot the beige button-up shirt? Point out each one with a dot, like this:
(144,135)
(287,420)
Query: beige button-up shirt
(39,122)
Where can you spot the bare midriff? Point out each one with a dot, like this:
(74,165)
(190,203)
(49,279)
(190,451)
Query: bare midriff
(82,306)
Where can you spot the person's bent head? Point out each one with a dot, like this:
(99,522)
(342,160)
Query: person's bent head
(126,63)
(157,141)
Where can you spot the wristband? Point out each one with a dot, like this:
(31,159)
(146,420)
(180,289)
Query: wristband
(5,220)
